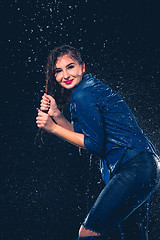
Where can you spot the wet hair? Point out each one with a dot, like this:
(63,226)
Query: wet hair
(53,88)
(60,94)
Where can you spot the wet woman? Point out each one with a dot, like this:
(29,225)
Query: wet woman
(103,124)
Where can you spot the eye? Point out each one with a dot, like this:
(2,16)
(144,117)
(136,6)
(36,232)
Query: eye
(71,66)
(57,71)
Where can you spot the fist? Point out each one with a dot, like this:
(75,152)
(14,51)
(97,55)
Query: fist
(45,122)
(48,104)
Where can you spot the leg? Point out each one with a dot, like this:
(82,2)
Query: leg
(123,195)
(88,234)
(136,225)
(111,235)
(85,233)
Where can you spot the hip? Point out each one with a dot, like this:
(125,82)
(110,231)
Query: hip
(144,168)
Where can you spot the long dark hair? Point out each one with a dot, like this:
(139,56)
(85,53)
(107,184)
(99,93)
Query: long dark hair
(53,88)
(61,95)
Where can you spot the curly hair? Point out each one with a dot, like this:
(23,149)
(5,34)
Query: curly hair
(53,88)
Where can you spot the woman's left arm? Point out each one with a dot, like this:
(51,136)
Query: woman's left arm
(44,121)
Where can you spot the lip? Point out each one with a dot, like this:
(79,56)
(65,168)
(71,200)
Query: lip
(68,81)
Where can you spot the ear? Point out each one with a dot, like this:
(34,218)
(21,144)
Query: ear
(83,67)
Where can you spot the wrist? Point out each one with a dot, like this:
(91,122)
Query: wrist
(54,129)
(56,114)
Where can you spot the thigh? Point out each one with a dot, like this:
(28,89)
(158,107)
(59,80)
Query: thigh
(135,226)
(125,192)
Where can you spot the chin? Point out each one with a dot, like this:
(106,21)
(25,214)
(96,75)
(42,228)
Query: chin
(68,87)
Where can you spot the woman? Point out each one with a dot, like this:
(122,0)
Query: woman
(103,124)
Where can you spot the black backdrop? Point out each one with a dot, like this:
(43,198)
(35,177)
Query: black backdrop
(47,189)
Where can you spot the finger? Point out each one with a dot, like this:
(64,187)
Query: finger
(40,113)
(50,98)
(47,104)
(39,126)
(40,122)
(44,108)
(44,97)
(38,118)
(45,101)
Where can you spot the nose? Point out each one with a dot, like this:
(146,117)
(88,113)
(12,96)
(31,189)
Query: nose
(65,74)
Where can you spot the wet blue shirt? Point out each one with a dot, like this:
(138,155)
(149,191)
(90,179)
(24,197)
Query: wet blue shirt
(109,127)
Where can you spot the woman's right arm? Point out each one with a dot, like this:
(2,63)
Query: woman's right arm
(48,104)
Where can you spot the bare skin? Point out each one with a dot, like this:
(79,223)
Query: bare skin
(45,122)
(86,233)
(48,104)
(68,72)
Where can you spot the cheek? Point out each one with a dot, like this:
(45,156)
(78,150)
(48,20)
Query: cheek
(58,77)
(78,72)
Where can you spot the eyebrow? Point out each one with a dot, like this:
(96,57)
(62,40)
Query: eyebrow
(66,66)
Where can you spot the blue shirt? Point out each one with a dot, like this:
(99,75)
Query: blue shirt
(109,127)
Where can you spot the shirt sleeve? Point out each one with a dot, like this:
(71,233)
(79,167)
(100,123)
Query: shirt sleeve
(90,120)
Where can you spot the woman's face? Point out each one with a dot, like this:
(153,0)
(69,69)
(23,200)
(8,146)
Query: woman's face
(68,72)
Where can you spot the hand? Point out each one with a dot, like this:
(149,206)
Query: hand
(48,104)
(45,122)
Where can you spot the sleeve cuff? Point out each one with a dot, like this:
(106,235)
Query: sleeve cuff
(91,146)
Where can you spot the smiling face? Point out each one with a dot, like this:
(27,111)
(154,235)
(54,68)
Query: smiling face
(68,72)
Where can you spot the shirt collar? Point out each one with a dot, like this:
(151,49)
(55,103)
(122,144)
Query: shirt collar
(86,81)
(86,78)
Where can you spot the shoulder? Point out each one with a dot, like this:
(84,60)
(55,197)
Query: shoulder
(85,87)
(82,95)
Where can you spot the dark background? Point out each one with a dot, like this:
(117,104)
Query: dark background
(47,189)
